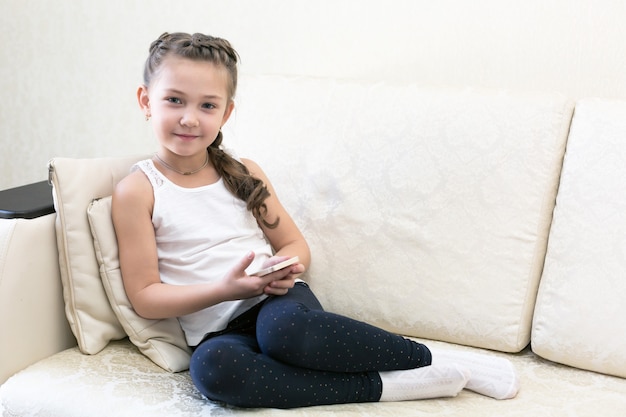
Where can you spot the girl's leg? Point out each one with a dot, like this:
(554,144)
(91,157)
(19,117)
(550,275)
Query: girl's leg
(231,368)
(295,329)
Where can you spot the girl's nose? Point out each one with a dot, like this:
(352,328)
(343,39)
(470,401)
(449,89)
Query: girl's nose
(189,120)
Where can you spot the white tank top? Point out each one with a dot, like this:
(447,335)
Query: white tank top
(201,233)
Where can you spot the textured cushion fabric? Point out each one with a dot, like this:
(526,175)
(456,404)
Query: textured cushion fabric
(427,211)
(580,319)
(121,382)
(76,182)
(162,341)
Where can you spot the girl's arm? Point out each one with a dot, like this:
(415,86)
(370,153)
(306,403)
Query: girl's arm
(286,239)
(132,213)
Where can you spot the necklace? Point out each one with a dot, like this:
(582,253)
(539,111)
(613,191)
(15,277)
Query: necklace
(168,166)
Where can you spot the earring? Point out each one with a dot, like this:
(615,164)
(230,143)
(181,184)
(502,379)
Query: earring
(147,117)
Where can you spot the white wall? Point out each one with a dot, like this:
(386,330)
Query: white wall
(69,69)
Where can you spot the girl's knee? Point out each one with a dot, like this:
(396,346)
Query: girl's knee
(217,370)
(203,370)
(284,331)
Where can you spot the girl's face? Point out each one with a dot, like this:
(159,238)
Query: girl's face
(188,102)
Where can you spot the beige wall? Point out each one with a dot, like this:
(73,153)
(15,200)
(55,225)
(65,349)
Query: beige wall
(69,69)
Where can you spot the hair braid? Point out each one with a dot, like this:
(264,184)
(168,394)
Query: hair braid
(240,182)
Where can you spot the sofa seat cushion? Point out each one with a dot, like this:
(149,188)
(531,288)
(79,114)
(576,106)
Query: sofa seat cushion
(120,381)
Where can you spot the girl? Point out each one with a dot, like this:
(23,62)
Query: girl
(193,221)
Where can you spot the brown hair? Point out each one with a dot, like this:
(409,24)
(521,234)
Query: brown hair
(199,47)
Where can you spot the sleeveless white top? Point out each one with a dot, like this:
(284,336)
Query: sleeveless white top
(201,233)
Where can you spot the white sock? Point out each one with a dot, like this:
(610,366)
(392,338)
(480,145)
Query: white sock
(423,383)
(490,375)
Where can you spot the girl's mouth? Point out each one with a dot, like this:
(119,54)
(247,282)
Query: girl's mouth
(185,136)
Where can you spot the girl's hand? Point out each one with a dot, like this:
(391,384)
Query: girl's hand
(285,278)
(240,285)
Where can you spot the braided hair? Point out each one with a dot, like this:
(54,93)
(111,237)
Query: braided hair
(199,47)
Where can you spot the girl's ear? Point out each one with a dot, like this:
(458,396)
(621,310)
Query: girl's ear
(144,100)
(228,112)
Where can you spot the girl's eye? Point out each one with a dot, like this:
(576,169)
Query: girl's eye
(208,106)
(174,100)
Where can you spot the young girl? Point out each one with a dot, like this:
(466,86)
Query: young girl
(193,223)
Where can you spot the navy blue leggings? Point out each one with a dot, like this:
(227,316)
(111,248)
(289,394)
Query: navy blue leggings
(288,352)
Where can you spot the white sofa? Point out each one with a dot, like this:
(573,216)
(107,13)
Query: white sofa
(432,213)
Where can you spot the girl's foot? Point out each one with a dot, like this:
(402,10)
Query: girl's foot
(423,383)
(490,375)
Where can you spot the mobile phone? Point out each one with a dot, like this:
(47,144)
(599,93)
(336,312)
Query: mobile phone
(276,267)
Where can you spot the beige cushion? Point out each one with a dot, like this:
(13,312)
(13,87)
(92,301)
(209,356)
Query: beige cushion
(427,211)
(580,319)
(76,183)
(162,341)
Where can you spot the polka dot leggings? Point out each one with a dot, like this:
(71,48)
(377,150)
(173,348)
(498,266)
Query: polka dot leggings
(288,352)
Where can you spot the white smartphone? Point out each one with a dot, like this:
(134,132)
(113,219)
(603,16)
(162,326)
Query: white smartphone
(276,267)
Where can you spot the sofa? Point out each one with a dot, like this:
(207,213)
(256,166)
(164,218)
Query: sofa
(468,219)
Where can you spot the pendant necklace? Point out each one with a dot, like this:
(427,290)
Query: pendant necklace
(168,166)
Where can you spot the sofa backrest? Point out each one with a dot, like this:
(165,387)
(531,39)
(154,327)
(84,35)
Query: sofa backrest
(427,211)
(580,318)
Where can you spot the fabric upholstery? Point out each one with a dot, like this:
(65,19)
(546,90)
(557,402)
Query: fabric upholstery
(580,313)
(162,341)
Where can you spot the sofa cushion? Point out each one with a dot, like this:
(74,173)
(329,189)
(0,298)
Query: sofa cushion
(121,382)
(427,210)
(580,314)
(162,341)
(76,183)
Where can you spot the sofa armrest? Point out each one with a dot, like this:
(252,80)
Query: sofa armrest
(32,318)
